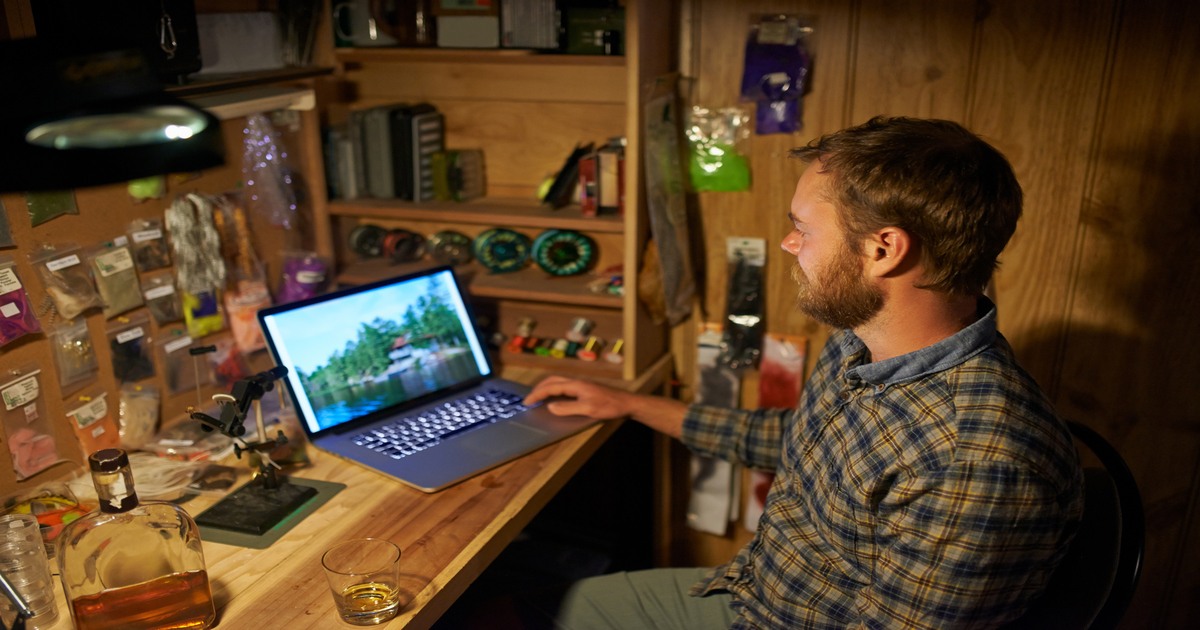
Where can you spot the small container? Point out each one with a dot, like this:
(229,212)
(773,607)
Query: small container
(26,570)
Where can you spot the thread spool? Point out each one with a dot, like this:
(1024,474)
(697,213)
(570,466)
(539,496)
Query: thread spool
(401,245)
(501,250)
(366,240)
(563,252)
(580,327)
(524,331)
(451,247)
(614,354)
(591,349)
(525,326)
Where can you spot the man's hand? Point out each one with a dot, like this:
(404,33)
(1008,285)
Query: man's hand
(567,396)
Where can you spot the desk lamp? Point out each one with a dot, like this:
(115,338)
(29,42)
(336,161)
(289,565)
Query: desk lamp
(90,117)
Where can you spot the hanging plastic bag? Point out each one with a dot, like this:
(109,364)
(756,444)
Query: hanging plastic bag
(713,500)
(148,242)
(775,72)
(16,314)
(116,280)
(196,244)
(242,306)
(202,313)
(716,161)
(304,276)
(247,290)
(50,204)
(6,239)
(94,426)
(74,355)
(741,346)
(268,179)
(130,348)
(31,442)
(182,370)
(65,278)
(667,208)
(199,265)
(162,300)
(137,415)
(781,371)
(225,363)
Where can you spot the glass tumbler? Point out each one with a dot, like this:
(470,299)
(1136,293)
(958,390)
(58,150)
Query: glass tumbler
(364,579)
(26,570)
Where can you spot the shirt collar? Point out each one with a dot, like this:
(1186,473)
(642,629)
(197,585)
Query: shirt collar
(940,356)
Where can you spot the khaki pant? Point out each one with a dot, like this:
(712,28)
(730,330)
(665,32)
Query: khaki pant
(655,598)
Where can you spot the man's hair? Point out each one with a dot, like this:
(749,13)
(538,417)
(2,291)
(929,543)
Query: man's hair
(953,192)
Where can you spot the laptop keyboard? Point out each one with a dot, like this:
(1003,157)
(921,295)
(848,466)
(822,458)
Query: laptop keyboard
(405,436)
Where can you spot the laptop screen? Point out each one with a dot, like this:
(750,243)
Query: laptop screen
(372,348)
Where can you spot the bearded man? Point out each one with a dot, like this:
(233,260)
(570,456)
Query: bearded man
(924,481)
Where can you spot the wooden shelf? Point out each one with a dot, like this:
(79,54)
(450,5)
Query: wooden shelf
(211,83)
(486,211)
(550,365)
(530,284)
(482,55)
(265,98)
(533,284)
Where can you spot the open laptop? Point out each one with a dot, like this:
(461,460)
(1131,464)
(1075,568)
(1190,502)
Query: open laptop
(392,375)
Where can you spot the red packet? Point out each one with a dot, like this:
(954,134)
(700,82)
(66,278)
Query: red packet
(781,371)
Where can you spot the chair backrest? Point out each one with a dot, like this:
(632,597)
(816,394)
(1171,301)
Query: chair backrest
(1094,584)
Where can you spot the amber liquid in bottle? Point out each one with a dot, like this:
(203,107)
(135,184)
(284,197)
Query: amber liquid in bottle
(180,600)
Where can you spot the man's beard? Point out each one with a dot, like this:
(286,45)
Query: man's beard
(840,297)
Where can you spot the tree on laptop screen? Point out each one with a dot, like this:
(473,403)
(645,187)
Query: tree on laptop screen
(378,348)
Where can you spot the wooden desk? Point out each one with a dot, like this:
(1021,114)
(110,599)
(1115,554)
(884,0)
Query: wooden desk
(447,539)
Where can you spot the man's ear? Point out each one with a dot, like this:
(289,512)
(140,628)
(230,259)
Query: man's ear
(889,251)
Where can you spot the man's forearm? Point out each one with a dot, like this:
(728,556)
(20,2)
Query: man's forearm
(664,415)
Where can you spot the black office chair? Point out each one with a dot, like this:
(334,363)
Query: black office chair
(1096,580)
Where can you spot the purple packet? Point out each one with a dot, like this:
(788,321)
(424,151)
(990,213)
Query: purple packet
(304,276)
(775,72)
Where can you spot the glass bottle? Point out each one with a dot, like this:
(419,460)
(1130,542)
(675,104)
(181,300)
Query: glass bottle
(132,564)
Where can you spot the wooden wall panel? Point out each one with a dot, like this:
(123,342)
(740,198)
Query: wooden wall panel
(912,59)
(1039,74)
(1131,347)
(505,128)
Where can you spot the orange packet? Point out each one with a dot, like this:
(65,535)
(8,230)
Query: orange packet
(94,425)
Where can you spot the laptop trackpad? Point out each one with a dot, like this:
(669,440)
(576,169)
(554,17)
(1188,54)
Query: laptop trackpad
(506,437)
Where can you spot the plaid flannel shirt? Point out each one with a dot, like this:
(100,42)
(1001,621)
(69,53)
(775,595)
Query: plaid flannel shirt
(933,490)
